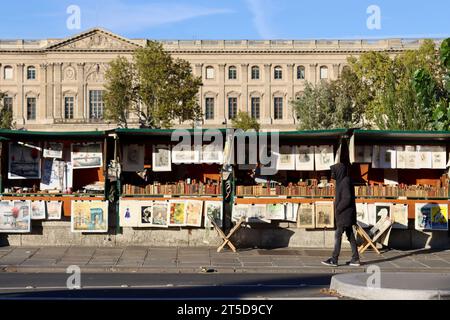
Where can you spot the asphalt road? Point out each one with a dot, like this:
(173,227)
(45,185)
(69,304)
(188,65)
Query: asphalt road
(207,286)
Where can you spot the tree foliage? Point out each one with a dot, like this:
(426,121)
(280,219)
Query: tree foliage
(6,115)
(245,122)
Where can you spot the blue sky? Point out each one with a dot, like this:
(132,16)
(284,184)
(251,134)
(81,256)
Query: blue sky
(228,19)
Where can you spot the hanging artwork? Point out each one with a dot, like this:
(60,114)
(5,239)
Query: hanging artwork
(182,156)
(162,159)
(439,157)
(177,213)
(160,214)
(24,161)
(410,157)
(54,210)
(439,217)
(423,216)
(291,212)
(275,212)
(324,157)
(388,157)
(285,158)
(424,157)
(53,150)
(133,157)
(382,210)
(129,213)
(363,154)
(145,216)
(306,216)
(304,160)
(87,155)
(376,157)
(15,217)
(53,175)
(257,213)
(324,214)
(194,213)
(89,216)
(372,214)
(37,210)
(214,210)
(399,213)
(212,153)
(239,211)
(362,214)
(401,157)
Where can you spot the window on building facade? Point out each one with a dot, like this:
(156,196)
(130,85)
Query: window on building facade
(31,108)
(31,73)
(210,72)
(256,106)
(323,73)
(278,73)
(232,73)
(69,103)
(255,73)
(301,73)
(209,108)
(278,108)
(96,104)
(8,73)
(232,107)
(8,103)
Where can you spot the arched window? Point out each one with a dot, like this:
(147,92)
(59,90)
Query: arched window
(31,73)
(323,73)
(232,73)
(8,73)
(210,74)
(255,73)
(301,73)
(278,73)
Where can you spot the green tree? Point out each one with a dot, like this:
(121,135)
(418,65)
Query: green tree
(245,122)
(154,86)
(6,115)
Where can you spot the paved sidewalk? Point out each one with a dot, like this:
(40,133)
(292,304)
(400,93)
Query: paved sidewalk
(197,260)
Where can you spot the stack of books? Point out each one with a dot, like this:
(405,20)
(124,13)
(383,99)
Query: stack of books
(179,188)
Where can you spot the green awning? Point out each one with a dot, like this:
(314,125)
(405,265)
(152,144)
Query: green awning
(401,136)
(52,135)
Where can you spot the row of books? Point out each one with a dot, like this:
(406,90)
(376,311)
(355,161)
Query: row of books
(414,191)
(179,188)
(306,191)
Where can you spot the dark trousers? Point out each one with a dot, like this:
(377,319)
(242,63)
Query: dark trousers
(338,242)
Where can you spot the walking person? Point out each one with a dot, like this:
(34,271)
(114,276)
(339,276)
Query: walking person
(345,215)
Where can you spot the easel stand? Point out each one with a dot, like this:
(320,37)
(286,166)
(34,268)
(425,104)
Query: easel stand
(377,234)
(226,238)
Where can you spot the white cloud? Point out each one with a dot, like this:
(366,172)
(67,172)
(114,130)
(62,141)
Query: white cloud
(260,10)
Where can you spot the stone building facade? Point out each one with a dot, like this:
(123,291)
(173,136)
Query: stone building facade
(58,84)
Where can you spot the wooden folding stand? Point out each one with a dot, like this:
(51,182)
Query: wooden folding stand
(376,234)
(226,238)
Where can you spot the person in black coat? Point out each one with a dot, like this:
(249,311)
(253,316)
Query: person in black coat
(345,214)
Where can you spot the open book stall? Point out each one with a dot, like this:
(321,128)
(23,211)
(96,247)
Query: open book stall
(53,176)
(166,185)
(301,191)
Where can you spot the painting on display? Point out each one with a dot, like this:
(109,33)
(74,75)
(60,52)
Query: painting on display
(401,157)
(275,212)
(194,213)
(89,216)
(37,210)
(160,214)
(185,156)
(291,212)
(362,215)
(87,155)
(388,157)
(240,211)
(177,213)
(133,157)
(285,158)
(53,150)
(382,210)
(257,213)
(424,157)
(304,160)
(129,213)
(161,158)
(214,210)
(410,157)
(54,210)
(399,213)
(15,217)
(324,214)
(439,157)
(24,161)
(212,153)
(324,157)
(145,214)
(423,216)
(53,175)
(439,217)
(363,154)
(306,216)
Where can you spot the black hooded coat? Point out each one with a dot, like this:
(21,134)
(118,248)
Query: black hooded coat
(344,205)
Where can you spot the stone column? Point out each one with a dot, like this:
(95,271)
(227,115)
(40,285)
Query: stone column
(244,88)
(52,109)
(290,94)
(42,111)
(336,74)
(79,112)
(267,99)
(21,103)
(198,73)
(313,73)
(58,85)
(222,97)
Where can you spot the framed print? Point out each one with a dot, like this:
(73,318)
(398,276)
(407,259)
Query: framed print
(399,212)
(129,213)
(439,217)
(285,158)
(214,210)
(53,175)
(37,210)
(306,216)
(54,210)
(275,212)
(145,214)
(194,213)
(240,210)
(410,157)
(133,157)
(24,161)
(376,157)
(257,213)
(401,157)
(304,160)
(291,212)
(185,156)
(423,216)
(160,214)
(161,158)
(324,214)
(439,157)
(382,210)
(362,214)
(89,216)
(324,157)
(87,155)
(363,154)
(212,153)
(177,213)
(15,217)
(388,157)
(424,157)
(53,150)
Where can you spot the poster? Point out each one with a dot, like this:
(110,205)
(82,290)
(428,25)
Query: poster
(363,154)
(194,213)
(401,157)
(304,160)
(382,210)
(306,216)
(257,213)
(37,210)
(285,158)
(54,210)
(424,157)
(212,153)
(324,214)
(129,213)
(53,175)
(423,216)
(275,212)
(133,157)
(15,217)
(24,161)
(388,157)
(399,213)
(376,157)
(177,213)
(87,155)
(324,157)
(439,157)
(185,156)
(145,214)
(291,212)
(239,211)
(160,214)
(53,150)
(410,157)
(161,158)
(362,215)
(214,210)
(439,217)
(89,216)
